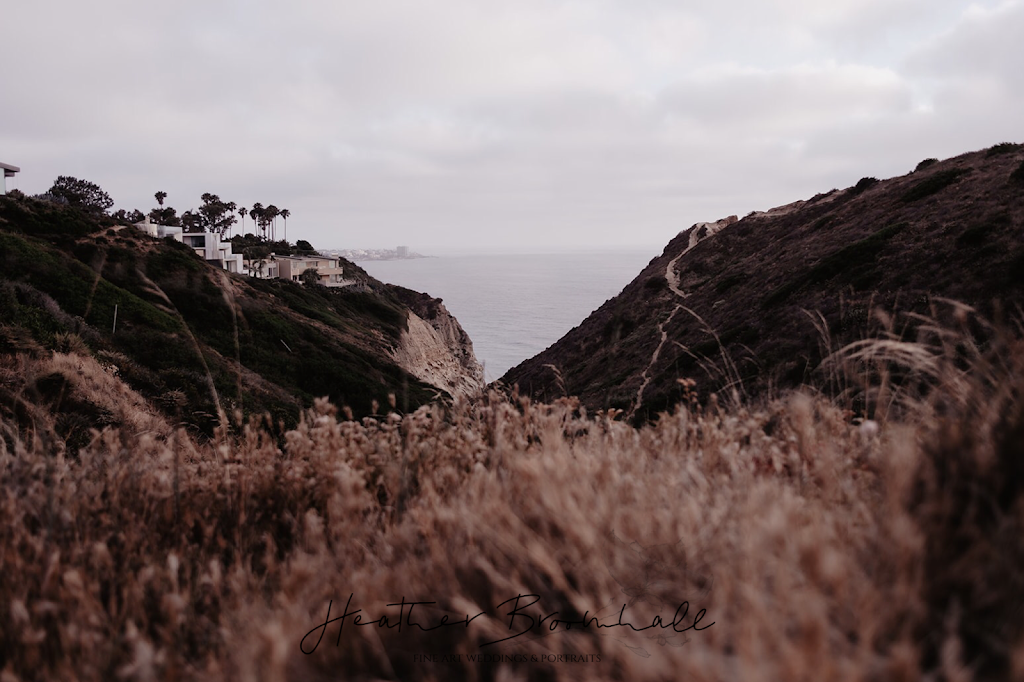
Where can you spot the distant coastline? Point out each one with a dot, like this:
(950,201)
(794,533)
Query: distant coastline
(355,255)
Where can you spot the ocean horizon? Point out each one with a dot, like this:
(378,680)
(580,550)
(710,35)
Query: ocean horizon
(515,305)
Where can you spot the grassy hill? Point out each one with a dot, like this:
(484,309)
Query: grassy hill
(189,338)
(758,305)
(770,539)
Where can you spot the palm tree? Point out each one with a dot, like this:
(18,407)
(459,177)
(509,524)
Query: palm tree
(257,215)
(284,214)
(242,211)
(272,213)
(160,196)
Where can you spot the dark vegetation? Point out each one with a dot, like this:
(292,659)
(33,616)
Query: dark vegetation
(770,297)
(863,184)
(807,547)
(260,346)
(814,548)
(933,184)
(1003,148)
(81,194)
(241,243)
(853,264)
(1017,176)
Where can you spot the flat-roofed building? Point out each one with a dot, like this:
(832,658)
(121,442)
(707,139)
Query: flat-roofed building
(328,269)
(209,247)
(8,172)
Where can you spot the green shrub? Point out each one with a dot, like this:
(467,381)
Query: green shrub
(925,164)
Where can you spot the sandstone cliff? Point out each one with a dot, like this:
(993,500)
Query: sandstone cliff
(435,348)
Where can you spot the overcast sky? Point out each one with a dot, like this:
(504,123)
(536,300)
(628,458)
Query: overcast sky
(511,125)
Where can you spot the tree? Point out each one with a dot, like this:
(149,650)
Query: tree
(81,193)
(272,212)
(165,216)
(284,214)
(124,217)
(304,247)
(160,196)
(242,211)
(256,257)
(191,222)
(216,215)
(257,215)
(310,277)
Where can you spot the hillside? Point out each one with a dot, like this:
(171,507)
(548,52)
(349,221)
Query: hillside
(189,339)
(757,303)
(771,539)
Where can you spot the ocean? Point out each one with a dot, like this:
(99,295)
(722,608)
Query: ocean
(514,306)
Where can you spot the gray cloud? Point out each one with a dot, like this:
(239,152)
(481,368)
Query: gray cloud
(486,123)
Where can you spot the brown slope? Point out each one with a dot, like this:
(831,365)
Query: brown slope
(189,338)
(951,229)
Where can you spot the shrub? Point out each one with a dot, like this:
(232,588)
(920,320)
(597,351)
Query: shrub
(854,262)
(863,184)
(1017,176)
(729,281)
(656,283)
(1002,148)
(925,164)
(82,194)
(933,184)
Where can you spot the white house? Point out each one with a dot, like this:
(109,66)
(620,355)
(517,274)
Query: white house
(159,231)
(209,246)
(9,172)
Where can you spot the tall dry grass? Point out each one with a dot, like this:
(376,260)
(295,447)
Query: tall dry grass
(819,550)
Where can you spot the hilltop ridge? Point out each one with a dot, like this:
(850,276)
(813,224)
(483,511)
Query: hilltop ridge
(756,303)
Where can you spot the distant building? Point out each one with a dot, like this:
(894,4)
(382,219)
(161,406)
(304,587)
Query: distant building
(328,269)
(402,251)
(9,172)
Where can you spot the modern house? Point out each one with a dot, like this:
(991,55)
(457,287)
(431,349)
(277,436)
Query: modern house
(209,247)
(262,268)
(159,231)
(8,172)
(328,269)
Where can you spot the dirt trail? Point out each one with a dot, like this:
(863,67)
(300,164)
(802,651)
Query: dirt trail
(698,233)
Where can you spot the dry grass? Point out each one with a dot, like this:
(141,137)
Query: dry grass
(820,550)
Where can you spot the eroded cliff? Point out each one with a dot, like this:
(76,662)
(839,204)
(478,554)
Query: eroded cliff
(435,348)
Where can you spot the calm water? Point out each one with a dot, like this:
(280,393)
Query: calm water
(514,306)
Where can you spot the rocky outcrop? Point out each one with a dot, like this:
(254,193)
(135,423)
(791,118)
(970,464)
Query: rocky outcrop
(435,348)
